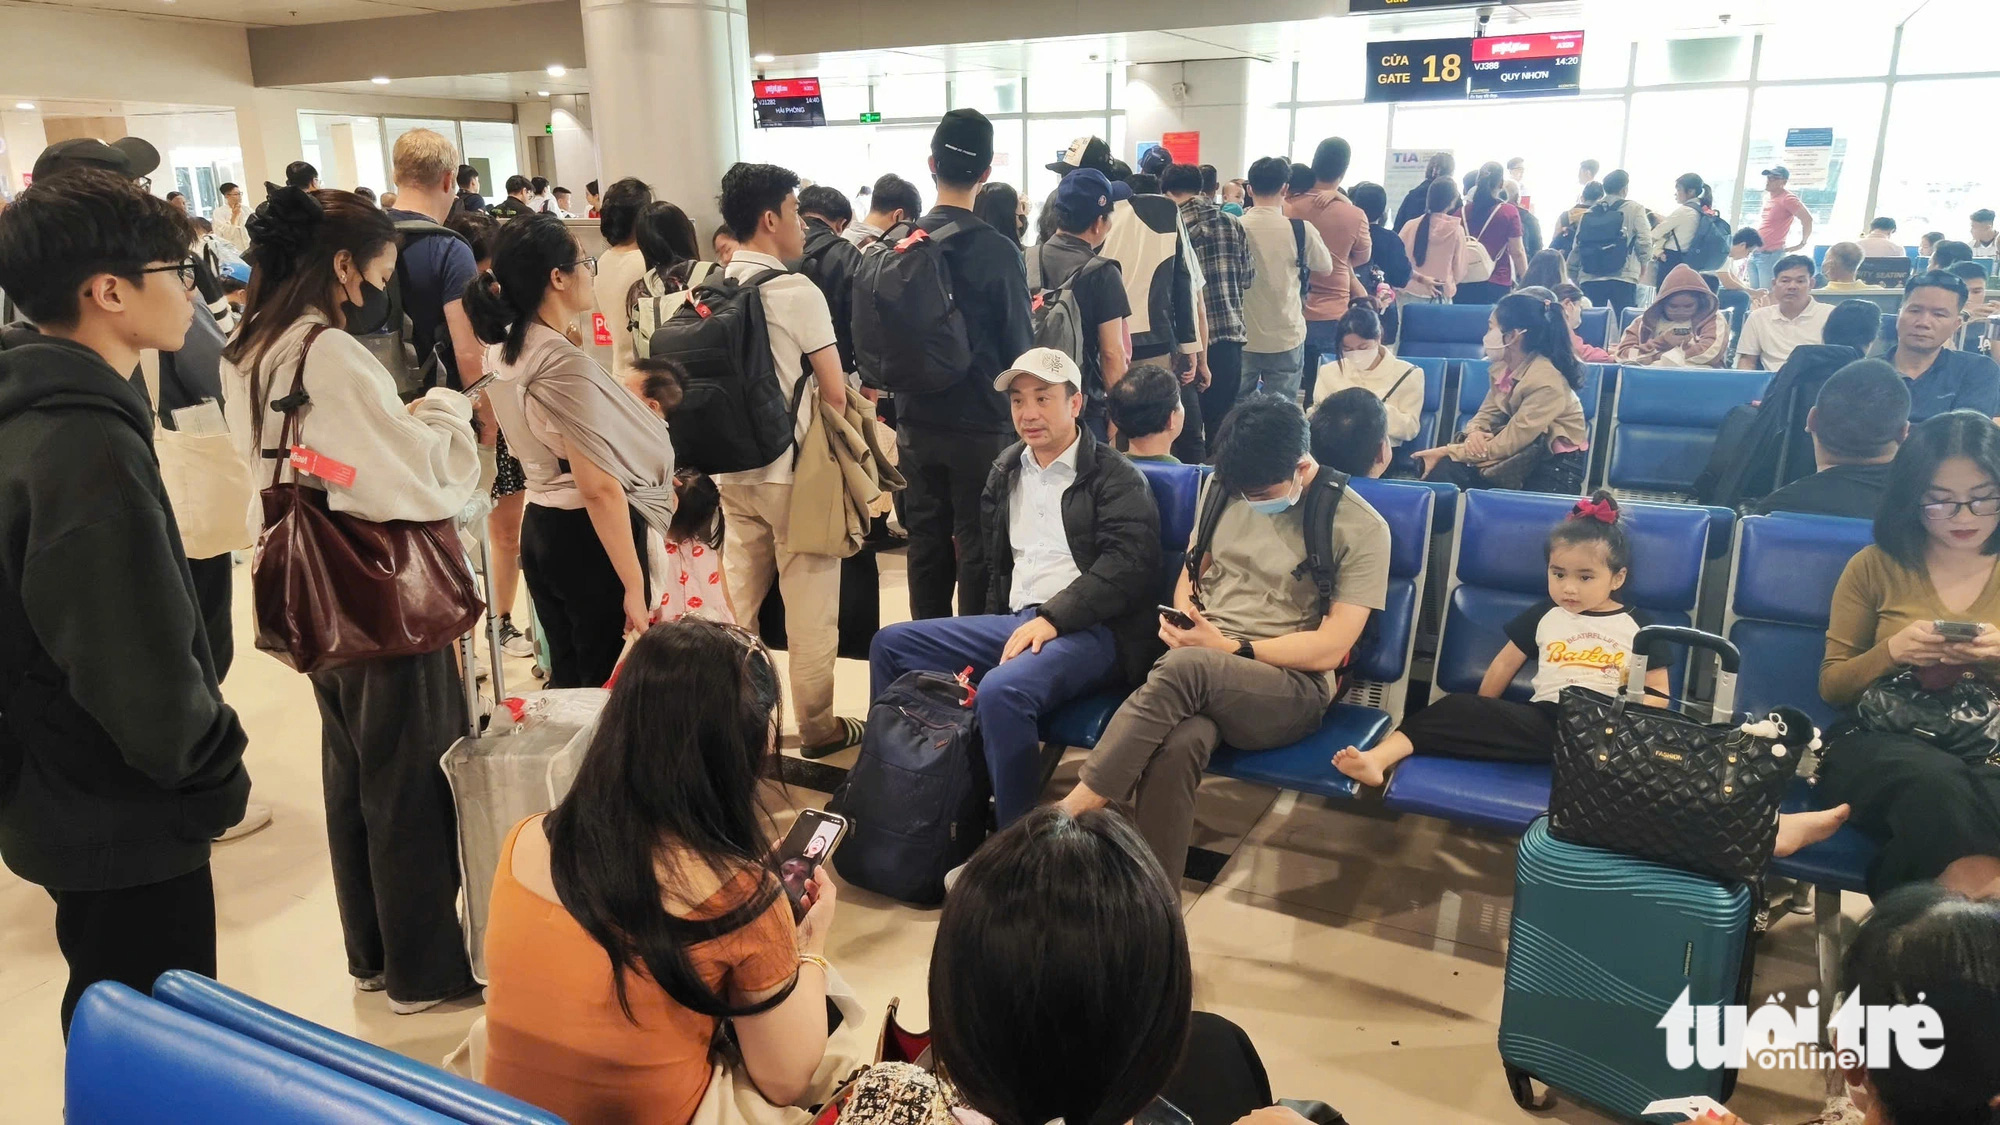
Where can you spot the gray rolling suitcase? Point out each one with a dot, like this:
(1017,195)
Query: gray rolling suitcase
(500,773)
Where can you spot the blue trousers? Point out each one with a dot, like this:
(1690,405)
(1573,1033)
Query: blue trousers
(1013,696)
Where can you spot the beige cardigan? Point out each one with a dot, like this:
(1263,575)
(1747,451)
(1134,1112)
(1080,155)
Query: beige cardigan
(1540,402)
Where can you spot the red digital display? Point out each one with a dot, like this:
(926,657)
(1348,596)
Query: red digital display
(1525,66)
(785,87)
(1503,47)
(782,102)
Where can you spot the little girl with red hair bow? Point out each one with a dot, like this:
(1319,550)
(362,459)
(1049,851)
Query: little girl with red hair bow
(1581,635)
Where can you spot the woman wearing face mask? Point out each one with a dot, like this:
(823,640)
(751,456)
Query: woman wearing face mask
(599,464)
(320,261)
(1530,432)
(1363,362)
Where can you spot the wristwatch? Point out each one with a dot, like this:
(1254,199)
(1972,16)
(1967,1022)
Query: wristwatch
(1246,651)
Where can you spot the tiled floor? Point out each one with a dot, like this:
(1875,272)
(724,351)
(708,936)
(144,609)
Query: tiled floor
(1364,954)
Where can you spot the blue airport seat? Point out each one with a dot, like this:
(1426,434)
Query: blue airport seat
(456,1098)
(1498,571)
(1380,671)
(1664,421)
(1819,257)
(1447,331)
(1177,491)
(1596,327)
(133,1060)
(1427,420)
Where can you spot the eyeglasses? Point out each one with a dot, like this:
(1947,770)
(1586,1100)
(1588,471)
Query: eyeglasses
(1946,509)
(185,271)
(591,262)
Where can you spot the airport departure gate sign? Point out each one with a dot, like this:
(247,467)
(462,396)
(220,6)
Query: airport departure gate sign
(788,102)
(1496,66)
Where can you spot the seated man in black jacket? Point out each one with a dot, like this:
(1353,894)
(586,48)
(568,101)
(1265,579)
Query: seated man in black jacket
(119,762)
(1073,556)
(1858,422)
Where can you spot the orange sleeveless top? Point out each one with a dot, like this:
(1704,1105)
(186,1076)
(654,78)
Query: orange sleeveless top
(556,1036)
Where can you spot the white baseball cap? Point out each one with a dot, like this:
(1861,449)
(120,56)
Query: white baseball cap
(1049,365)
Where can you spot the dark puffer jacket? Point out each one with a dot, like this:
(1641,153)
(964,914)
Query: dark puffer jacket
(1113,528)
(119,762)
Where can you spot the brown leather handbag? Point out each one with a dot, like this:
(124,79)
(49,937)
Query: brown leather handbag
(332,589)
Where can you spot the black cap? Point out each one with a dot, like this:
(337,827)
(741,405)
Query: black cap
(129,157)
(1085,152)
(962,146)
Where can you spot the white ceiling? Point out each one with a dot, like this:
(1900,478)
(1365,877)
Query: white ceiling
(266,13)
(515,87)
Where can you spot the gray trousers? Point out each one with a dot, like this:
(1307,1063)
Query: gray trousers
(1194,699)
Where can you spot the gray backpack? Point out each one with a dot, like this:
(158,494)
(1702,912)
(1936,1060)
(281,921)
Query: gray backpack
(1056,320)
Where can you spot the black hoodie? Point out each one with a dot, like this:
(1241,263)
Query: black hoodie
(119,762)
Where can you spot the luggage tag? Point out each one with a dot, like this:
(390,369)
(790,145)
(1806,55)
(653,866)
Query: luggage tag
(1696,1107)
(322,466)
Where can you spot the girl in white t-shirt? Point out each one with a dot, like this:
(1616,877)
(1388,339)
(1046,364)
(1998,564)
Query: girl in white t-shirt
(1581,635)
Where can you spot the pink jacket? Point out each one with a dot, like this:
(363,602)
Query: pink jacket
(1442,258)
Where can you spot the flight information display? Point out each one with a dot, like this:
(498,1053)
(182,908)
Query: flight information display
(1418,70)
(1525,66)
(786,102)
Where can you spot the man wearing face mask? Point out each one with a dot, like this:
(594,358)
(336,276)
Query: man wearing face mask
(1259,661)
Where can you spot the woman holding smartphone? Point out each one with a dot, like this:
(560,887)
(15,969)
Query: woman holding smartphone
(644,908)
(1924,599)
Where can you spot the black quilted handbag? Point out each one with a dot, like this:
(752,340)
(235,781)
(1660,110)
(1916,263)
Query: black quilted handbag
(1654,783)
(1960,716)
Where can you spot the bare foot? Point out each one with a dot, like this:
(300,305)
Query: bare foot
(1802,830)
(1361,765)
(1080,800)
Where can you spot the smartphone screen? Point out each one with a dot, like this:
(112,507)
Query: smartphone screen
(811,841)
(1957,630)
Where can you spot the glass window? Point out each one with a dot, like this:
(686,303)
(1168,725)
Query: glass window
(370,168)
(1827,48)
(1365,127)
(1721,59)
(346,149)
(1946,36)
(844,102)
(1267,132)
(1553,135)
(1072,88)
(1919,190)
(1707,131)
(910,95)
(986,92)
(839,156)
(400,125)
(1607,60)
(489,146)
(1854,113)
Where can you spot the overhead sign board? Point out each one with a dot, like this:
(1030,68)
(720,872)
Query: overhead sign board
(783,102)
(1418,70)
(1526,66)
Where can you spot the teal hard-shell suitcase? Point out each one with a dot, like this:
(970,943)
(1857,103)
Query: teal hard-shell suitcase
(1600,947)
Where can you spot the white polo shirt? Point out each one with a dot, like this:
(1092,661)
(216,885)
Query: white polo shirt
(1770,335)
(796,317)
(1043,566)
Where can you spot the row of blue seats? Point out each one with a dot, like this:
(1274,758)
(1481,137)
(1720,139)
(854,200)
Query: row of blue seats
(1657,437)
(1782,571)
(201,1052)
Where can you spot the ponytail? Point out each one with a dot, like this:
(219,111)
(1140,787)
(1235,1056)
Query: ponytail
(504,300)
(1596,520)
(1539,317)
(1439,199)
(1704,195)
(1486,194)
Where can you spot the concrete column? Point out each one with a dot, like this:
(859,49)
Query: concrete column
(669,90)
(1215,103)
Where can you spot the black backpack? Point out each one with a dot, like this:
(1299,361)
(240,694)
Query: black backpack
(415,361)
(821,246)
(1056,320)
(915,801)
(1601,242)
(909,336)
(733,414)
(1709,247)
(1321,501)
(1305,271)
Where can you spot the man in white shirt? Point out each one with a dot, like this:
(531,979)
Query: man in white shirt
(1791,319)
(761,206)
(230,217)
(1984,239)
(1075,559)
(1881,239)
(1274,318)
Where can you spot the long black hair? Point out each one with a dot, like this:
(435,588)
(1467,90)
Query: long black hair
(999,206)
(295,236)
(1924,944)
(503,301)
(1547,268)
(1439,199)
(1899,522)
(666,236)
(1545,332)
(676,761)
(1704,196)
(1060,985)
(1486,195)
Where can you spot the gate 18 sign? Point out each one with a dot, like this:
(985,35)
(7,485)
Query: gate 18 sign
(1418,70)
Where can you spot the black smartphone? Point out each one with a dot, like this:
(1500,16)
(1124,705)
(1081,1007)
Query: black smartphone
(1957,630)
(1180,620)
(479,384)
(811,841)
